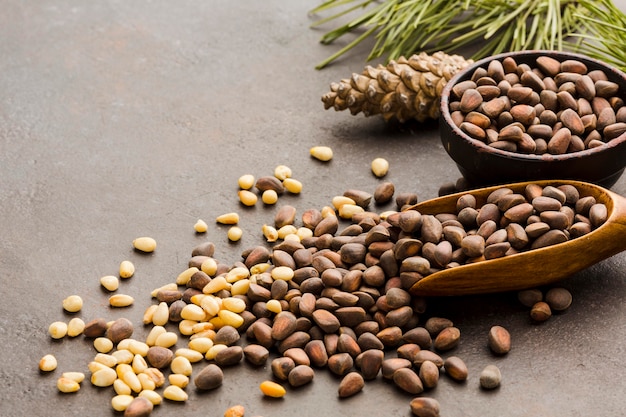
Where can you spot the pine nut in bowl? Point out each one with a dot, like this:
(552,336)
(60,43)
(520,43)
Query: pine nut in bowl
(534,115)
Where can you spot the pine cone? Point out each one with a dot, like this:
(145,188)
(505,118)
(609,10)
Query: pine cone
(404,89)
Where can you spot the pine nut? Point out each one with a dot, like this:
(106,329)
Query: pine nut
(230,319)
(121,402)
(217,284)
(178,380)
(213,351)
(286,230)
(269,197)
(236,305)
(200,226)
(274,306)
(247,198)
(57,330)
(339,200)
(137,347)
(322,153)
(131,379)
(155,332)
(151,396)
(201,344)
(228,218)
(147,383)
(282,172)
(127,269)
(145,244)
(121,388)
(240,287)
(123,356)
(75,327)
(181,365)
(272,389)
(156,376)
(106,359)
(246,181)
(270,233)
(121,300)
(74,376)
(192,355)
(48,363)
(292,185)
(139,364)
(103,377)
(94,366)
(167,339)
(122,368)
(175,393)
(172,286)
(234,234)
(161,314)
(380,167)
(67,385)
(348,210)
(110,282)
(73,304)
(185,327)
(103,344)
(283,273)
(209,267)
(184,277)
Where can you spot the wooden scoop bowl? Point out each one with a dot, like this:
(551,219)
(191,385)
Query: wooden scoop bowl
(532,268)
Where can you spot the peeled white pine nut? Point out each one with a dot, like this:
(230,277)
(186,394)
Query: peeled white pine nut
(192,355)
(155,332)
(151,396)
(193,312)
(121,402)
(269,197)
(106,359)
(348,210)
(166,340)
(201,344)
(184,277)
(175,393)
(121,300)
(181,365)
(235,233)
(209,267)
(57,330)
(230,319)
(286,230)
(380,167)
(200,226)
(161,315)
(274,306)
(124,356)
(75,327)
(240,287)
(292,185)
(328,211)
(283,273)
(216,284)
(172,286)
(213,351)
(246,181)
(237,273)
(149,314)
(139,364)
(260,268)
(178,380)
(303,232)
(228,218)
(339,200)
(282,172)
(110,282)
(147,383)
(127,269)
(67,385)
(138,348)
(74,376)
(121,388)
(145,244)
(185,327)
(103,344)
(236,305)
(270,233)
(292,237)
(73,303)
(94,366)
(104,377)
(131,379)
(156,375)
(247,198)
(122,368)
(323,153)
(48,363)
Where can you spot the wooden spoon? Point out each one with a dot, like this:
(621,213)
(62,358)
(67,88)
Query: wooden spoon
(532,268)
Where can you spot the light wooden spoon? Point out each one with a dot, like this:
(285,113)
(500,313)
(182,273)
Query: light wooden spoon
(532,268)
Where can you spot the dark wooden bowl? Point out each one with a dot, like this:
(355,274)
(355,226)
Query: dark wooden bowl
(483,165)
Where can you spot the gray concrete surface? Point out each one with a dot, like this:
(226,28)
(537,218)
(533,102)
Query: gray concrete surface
(122,119)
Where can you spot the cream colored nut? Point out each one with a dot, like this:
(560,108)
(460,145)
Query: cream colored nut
(247,198)
(230,319)
(48,363)
(121,300)
(237,273)
(185,326)
(125,344)
(73,303)
(260,268)
(123,356)
(181,365)
(348,210)
(145,244)
(103,344)
(211,305)
(122,368)
(289,229)
(192,355)
(161,315)
(103,377)
(283,273)
(270,233)
(216,284)
(274,306)
(178,380)
(67,385)
(235,411)
(74,376)
(340,200)
(323,153)
(304,232)
(235,233)
(167,339)
(269,197)
(155,332)
(282,172)
(228,218)
(151,396)
(201,344)
(200,226)
(213,351)
(147,383)
(272,389)
(121,388)
(57,330)
(106,359)
(328,211)
(292,185)
(156,375)
(148,315)
(138,348)
(209,267)
(110,282)
(246,181)
(127,269)
(94,366)
(75,327)
(131,379)
(184,277)
(121,402)
(234,304)
(172,286)
(175,393)
(380,167)
(139,364)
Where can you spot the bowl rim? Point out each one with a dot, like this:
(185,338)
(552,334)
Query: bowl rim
(480,146)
